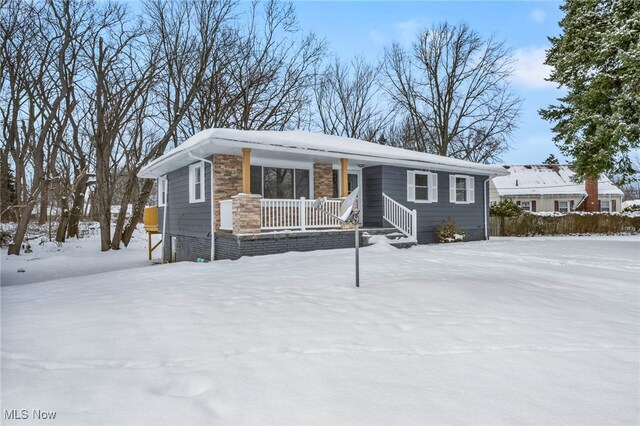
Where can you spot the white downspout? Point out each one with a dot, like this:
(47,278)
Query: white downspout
(486,207)
(213,207)
(164,214)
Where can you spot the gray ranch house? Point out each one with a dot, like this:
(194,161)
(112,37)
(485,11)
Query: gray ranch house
(226,193)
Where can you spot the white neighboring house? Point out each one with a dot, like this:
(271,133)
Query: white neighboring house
(548,188)
(115,211)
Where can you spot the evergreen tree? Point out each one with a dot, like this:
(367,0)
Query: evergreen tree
(597,59)
(7,194)
(551,159)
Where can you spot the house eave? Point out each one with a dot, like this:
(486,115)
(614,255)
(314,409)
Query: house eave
(208,143)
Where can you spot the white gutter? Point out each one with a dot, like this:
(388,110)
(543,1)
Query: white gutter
(212,205)
(164,215)
(486,207)
(430,164)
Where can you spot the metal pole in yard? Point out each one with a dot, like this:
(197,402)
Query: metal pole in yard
(357,220)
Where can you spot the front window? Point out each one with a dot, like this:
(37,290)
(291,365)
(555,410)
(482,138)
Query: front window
(422,187)
(461,189)
(196,183)
(563,206)
(526,206)
(605,205)
(280,183)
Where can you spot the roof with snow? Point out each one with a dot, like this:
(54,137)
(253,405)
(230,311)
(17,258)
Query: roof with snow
(304,146)
(546,179)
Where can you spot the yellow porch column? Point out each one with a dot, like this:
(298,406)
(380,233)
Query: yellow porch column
(246,170)
(344,176)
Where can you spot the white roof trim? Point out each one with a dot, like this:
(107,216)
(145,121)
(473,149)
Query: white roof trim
(306,146)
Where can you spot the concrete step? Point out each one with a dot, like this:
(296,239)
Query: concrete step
(395,237)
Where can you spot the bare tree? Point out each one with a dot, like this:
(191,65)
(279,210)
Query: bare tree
(348,100)
(121,74)
(186,36)
(35,55)
(274,69)
(453,90)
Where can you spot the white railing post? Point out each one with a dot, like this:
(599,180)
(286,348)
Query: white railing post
(303,213)
(414,225)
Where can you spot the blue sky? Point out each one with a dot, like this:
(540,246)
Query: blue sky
(365,28)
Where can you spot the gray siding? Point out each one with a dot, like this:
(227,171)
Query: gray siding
(372,196)
(184,218)
(393,180)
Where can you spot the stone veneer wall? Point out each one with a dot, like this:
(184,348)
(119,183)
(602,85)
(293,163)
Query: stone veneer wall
(227,180)
(246,213)
(322,180)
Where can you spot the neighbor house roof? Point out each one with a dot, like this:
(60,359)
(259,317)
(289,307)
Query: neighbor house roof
(304,146)
(546,179)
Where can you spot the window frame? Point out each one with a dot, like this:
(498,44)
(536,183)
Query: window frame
(527,209)
(192,190)
(294,168)
(568,208)
(162,191)
(432,187)
(469,189)
(608,203)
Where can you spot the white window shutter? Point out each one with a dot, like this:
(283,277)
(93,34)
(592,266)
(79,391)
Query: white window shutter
(471,190)
(452,188)
(411,186)
(433,187)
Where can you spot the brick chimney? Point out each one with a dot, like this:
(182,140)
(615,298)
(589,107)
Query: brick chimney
(591,203)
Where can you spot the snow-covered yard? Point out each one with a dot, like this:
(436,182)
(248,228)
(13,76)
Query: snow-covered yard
(510,331)
(76,257)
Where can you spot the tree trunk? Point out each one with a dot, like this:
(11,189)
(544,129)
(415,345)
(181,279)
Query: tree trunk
(21,230)
(44,204)
(138,211)
(122,216)
(77,208)
(62,226)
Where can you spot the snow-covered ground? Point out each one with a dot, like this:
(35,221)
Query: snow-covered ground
(510,331)
(75,257)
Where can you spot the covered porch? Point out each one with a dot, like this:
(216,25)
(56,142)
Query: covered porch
(277,194)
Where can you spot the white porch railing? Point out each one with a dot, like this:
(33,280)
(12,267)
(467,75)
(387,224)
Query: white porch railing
(226,215)
(403,219)
(297,214)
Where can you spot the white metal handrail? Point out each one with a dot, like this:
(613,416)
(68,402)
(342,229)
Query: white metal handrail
(297,214)
(403,219)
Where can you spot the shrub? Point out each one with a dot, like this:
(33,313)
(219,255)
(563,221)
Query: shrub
(632,208)
(505,208)
(448,231)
